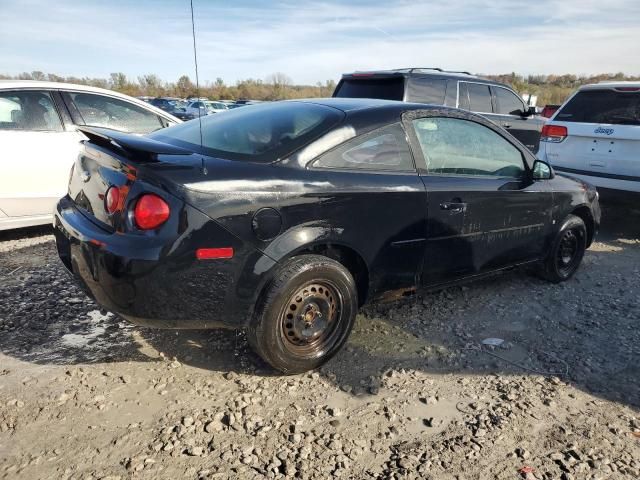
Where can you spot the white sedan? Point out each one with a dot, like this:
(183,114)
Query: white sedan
(216,107)
(39,141)
(200,108)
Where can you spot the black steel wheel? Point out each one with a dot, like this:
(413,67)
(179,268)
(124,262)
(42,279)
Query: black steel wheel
(310,319)
(306,314)
(567,250)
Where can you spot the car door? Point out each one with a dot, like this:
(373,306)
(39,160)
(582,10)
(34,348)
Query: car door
(475,97)
(37,153)
(96,110)
(376,201)
(484,211)
(511,114)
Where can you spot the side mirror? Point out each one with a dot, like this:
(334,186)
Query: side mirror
(542,170)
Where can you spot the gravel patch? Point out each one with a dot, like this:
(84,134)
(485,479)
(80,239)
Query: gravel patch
(416,393)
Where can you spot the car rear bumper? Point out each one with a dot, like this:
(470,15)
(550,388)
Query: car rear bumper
(159,282)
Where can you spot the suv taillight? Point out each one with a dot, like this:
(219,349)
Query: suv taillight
(553,133)
(150,212)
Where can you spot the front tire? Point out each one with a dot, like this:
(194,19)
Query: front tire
(305,314)
(567,250)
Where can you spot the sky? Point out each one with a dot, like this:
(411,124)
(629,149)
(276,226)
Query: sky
(317,40)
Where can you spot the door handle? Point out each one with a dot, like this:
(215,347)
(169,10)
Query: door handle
(453,207)
(506,125)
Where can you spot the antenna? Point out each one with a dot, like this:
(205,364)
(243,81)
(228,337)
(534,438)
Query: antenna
(195,61)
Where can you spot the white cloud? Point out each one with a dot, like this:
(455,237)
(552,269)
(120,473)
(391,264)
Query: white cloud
(320,40)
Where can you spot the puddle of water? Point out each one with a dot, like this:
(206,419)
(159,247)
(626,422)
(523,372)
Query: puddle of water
(95,328)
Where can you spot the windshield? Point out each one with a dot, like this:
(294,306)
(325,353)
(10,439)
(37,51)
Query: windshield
(216,106)
(176,105)
(261,133)
(602,106)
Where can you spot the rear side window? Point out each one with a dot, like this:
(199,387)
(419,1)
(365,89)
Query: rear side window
(380,88)
(427,90)
(261,133)
(602,106)
(382,149)
(508,102)
(102,111)
(28,110)
(452,146)
(475,97)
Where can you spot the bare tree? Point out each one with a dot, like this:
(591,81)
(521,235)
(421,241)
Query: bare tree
(151,84)
(118,81)
(185,87)
(279,83)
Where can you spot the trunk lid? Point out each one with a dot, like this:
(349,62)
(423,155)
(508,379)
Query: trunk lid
(113,159)
(606,148)
(603,131)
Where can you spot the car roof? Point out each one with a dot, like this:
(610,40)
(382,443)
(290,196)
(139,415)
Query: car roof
(422,72)
(419,71)
(609,85)
(38,84)
(352,104)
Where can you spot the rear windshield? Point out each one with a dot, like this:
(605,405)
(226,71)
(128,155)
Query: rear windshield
(380,88)
(602,106)
(257,133)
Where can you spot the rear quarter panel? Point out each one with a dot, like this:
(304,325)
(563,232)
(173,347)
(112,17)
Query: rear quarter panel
(379,216)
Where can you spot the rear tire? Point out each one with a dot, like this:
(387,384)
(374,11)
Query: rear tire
(567,250)
(305,314)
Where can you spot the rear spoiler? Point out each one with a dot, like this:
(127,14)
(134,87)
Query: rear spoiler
(389,74)
(137,148)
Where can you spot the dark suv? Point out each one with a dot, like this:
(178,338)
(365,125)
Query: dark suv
(496,101)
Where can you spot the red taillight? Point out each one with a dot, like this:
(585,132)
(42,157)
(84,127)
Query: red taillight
(627,89)
(112,199)
(213,253)
(553,133)
(150,212)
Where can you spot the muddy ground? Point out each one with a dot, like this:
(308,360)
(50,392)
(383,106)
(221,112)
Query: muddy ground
(414,394)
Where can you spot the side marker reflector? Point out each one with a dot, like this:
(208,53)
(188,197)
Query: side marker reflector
(214,253)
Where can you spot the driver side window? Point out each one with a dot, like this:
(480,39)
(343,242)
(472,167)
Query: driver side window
(453,146)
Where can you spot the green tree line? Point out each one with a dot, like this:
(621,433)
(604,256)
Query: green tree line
(554,89)
(550,89)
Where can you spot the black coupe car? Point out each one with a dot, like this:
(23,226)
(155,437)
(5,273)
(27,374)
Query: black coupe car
(284,218)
